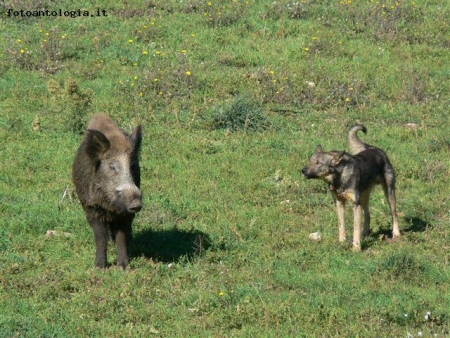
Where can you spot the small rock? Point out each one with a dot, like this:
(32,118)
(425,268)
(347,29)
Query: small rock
(50,233)
(315,236)
(412,125)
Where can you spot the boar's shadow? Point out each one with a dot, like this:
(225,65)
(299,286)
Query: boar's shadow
(169,245)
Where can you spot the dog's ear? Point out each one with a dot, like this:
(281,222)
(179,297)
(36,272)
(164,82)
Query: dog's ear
(319,149)
(337,158)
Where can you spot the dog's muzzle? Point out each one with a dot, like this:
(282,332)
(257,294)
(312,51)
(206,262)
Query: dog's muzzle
(305,173)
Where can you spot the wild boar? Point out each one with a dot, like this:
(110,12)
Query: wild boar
(106,175)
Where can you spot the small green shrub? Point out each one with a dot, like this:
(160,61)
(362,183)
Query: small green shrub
(241,114)
(71,104)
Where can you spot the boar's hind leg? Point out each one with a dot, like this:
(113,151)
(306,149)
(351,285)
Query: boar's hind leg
(121,234)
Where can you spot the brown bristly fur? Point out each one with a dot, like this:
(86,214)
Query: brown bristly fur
(106,175)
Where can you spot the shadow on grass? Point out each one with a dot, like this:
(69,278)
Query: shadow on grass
(170,245)
(416,224)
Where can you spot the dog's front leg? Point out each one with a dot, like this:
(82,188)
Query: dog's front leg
(357,214)
(340,209)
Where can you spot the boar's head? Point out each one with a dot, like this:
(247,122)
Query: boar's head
(116,180)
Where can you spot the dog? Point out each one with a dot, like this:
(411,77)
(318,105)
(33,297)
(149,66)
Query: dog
(351,177)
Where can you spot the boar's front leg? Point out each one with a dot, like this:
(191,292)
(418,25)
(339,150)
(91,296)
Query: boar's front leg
(101,235)
(121,233)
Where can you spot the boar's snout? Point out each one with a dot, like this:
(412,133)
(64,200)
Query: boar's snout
(130,197)
(135,206)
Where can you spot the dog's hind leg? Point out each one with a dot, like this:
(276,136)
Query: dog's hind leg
(390,195)
(357,215)
(389,192)
(365,198)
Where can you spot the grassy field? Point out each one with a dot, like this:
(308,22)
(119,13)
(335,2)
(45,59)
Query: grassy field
(233,97)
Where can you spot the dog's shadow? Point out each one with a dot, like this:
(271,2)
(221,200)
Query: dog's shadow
(415,225)
(171,245)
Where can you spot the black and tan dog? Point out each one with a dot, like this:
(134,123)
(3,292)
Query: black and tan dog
(351,177)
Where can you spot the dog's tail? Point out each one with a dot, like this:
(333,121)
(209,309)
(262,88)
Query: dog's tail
(354,143)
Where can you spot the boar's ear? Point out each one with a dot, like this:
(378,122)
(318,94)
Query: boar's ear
(319,149)
(136,138)
(96,144)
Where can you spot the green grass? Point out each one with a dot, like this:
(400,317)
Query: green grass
(221,248)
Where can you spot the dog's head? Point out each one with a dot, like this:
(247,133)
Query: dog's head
(323,165)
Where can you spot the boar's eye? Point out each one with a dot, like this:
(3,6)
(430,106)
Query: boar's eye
(113,166)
